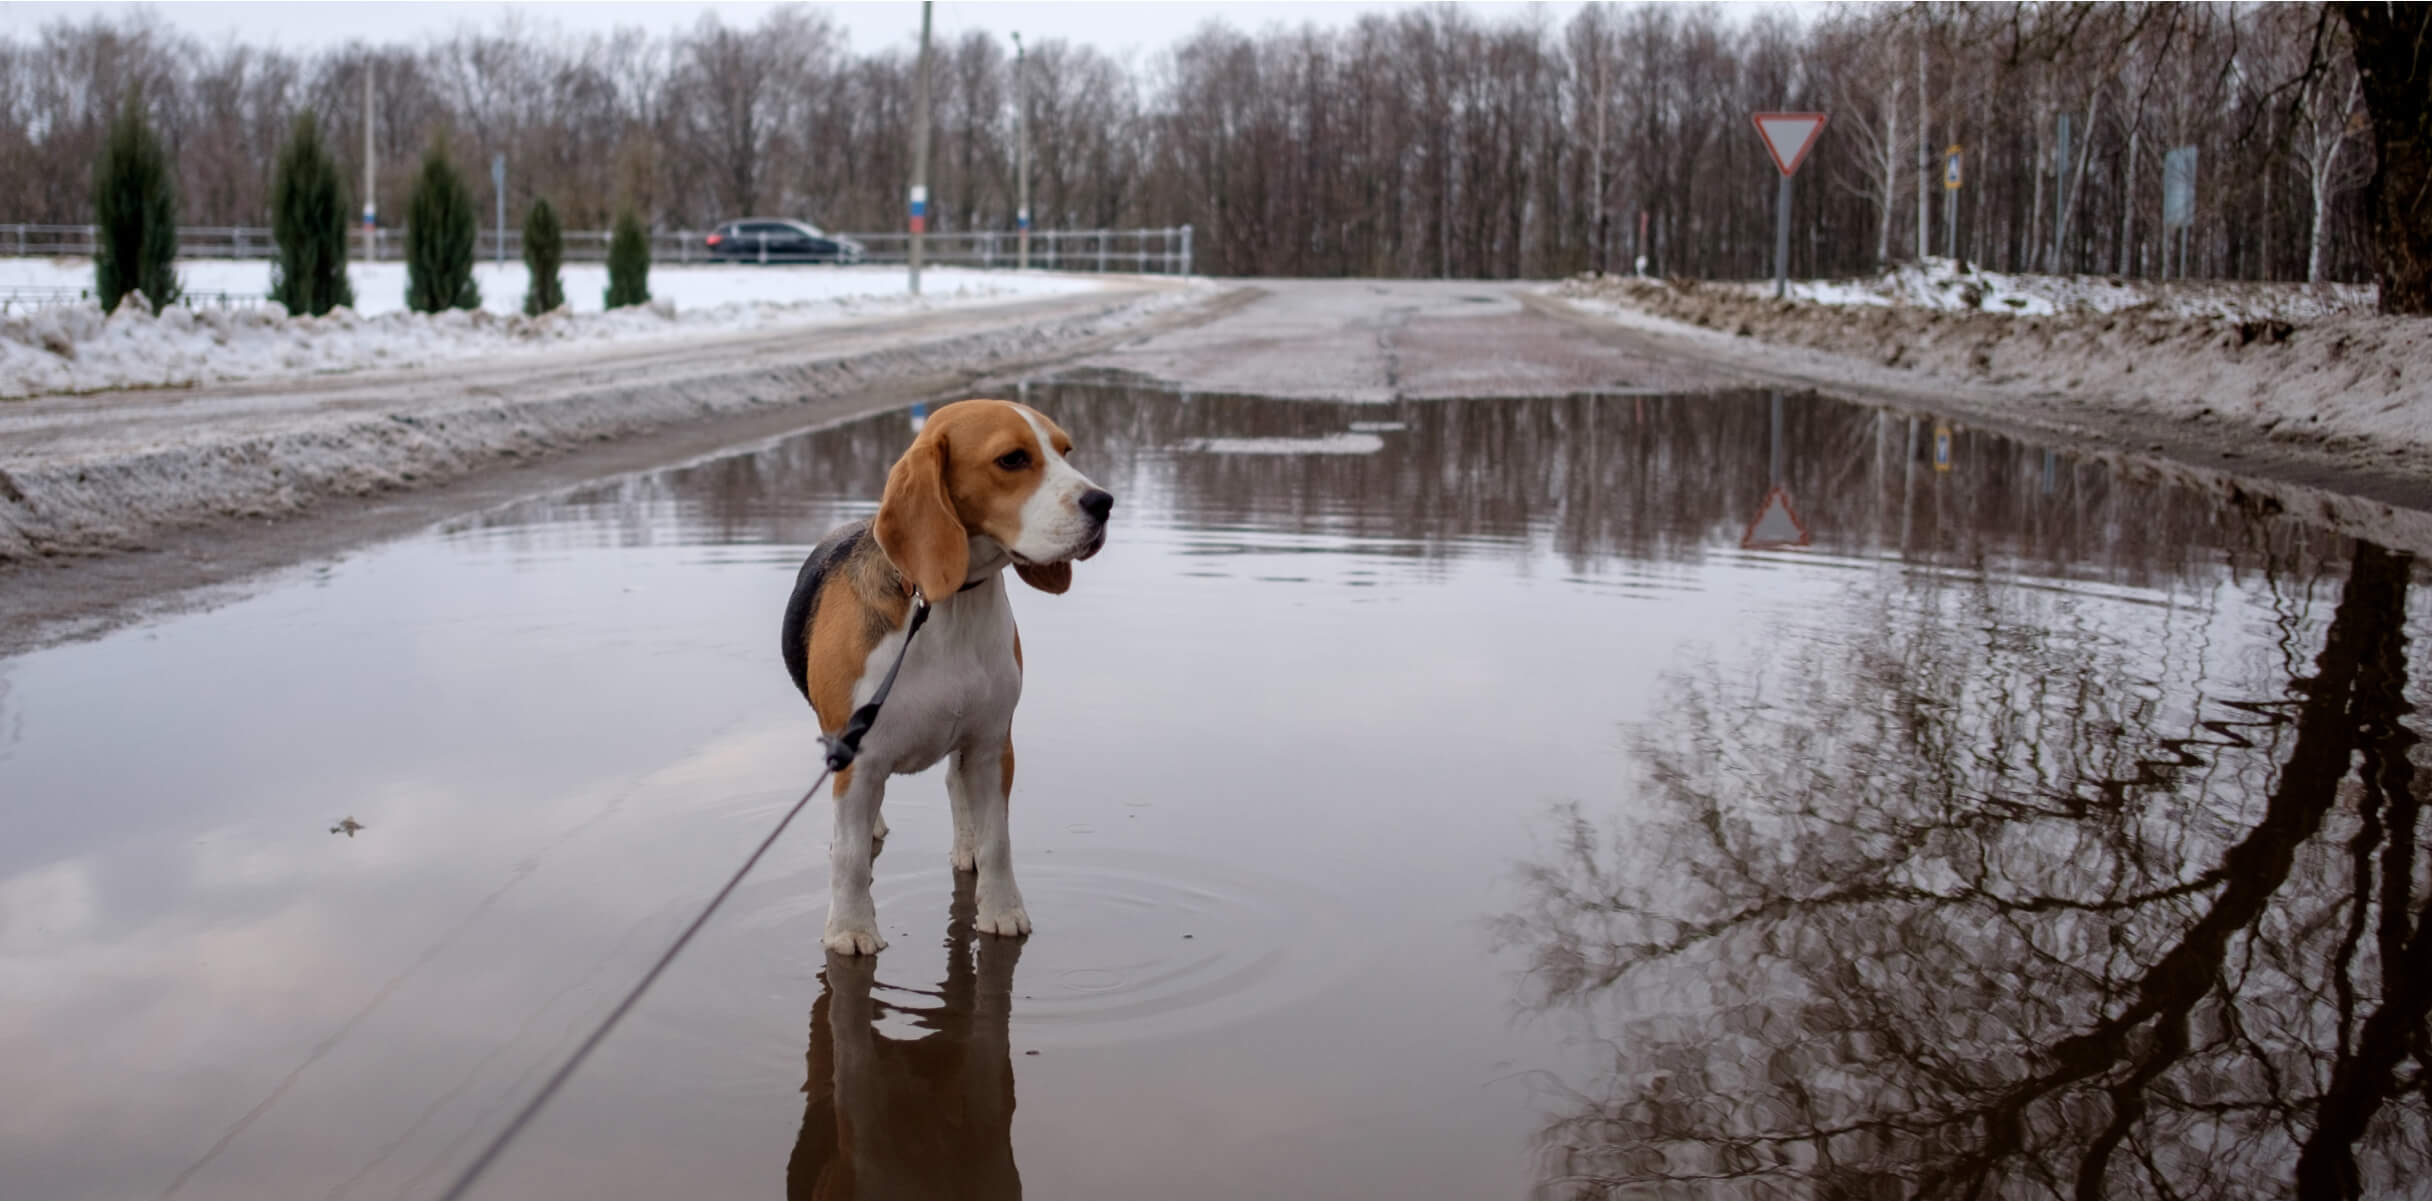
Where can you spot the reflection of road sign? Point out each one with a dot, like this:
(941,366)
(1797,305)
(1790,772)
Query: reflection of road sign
(1777,525)
(2179,187)
(1789,136)
(1942,448)
(1950,169)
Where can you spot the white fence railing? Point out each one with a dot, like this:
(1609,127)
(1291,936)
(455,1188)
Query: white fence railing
(1138,251)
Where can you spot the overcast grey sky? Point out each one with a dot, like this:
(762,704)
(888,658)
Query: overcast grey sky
(1110,27)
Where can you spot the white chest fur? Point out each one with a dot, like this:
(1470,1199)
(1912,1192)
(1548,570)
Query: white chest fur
(957,689)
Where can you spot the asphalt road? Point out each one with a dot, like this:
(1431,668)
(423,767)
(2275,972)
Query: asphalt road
(1351,340)
(1379,340)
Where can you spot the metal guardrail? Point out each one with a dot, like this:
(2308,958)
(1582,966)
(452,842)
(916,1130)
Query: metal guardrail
(24,298)
(1138,251)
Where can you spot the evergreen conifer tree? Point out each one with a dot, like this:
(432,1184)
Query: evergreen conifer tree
(135,208)
(628,262)
(543,250)
(308,221)
(440,235)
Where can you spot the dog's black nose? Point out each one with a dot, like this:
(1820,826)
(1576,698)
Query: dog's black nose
(1098,503)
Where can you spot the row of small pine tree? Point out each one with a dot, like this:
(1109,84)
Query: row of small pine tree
(135,206)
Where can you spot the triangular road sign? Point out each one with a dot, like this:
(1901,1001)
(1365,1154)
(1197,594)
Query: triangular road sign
(1777,525)
(1789,136)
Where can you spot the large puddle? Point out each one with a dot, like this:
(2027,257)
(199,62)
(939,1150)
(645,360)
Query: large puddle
(1460,799)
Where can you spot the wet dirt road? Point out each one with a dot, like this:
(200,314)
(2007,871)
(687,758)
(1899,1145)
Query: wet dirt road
(1458,797)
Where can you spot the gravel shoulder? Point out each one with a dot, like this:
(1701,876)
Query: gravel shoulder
(114,506)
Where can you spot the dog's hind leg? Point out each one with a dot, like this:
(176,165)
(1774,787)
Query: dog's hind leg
(852,915)
(986,775)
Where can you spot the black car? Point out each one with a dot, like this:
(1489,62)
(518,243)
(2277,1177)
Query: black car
(773,240)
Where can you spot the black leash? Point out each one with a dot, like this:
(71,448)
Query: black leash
(842,747)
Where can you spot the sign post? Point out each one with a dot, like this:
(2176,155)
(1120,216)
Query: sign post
(920,153)
(498,189)
(1950,203)
(1788,138)
(371,179)
(1021,139)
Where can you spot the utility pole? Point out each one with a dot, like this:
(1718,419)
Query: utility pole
(920,149)
(1021,137)
(1925,162)
(498,189)
(371,201)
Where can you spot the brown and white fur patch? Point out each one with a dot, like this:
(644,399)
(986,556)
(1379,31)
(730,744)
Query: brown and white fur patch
(984,487)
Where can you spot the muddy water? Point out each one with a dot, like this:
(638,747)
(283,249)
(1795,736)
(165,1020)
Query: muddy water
(1435,800)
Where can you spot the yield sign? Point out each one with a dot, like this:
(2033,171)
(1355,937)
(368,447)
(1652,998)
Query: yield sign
(1788,136)
(1777,525)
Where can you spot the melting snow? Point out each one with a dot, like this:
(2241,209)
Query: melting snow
(74,348)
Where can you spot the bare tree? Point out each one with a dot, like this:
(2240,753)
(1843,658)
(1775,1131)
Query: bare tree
(1426,142)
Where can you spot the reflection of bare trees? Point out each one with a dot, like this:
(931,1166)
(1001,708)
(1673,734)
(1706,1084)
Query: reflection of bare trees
(930,1116)
(1588,478)
(1947,912)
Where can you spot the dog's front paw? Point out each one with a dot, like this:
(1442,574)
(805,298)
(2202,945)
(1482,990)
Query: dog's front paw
(1010,922)
(857,940)
(964,858)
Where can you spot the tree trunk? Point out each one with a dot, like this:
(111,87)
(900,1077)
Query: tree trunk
(2128,200)
(2321,237)
(2397,74)
(1925,161)
(1891,176)
(2068,184)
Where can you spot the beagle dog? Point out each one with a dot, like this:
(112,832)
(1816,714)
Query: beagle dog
(985,486)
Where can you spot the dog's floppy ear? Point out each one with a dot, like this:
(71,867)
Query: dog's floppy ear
(1046,577)
(916,524)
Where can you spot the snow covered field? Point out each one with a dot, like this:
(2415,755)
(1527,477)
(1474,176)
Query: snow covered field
(76,349)
(1942,285)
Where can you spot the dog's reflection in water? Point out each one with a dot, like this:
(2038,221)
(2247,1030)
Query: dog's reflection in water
(920,1117)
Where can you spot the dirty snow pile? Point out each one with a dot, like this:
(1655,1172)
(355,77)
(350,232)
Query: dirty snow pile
(2344,379)
(80,476)
(1948,286)
(75,348)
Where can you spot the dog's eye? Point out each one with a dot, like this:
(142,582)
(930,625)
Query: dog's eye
(1013,460)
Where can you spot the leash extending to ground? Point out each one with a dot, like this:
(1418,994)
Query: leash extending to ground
(842,747)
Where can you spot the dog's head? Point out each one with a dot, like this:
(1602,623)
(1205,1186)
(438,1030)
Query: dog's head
(994,470)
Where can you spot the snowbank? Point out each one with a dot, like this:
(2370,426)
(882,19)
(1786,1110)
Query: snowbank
(380,287)
(76,349)
(1946,286)
(82,476)
(2353,387)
